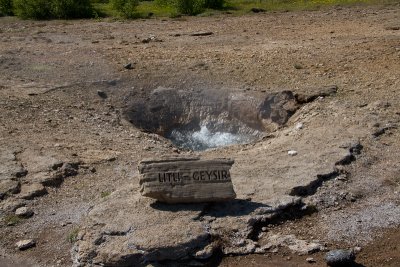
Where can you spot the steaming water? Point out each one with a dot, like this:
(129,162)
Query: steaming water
(205,139)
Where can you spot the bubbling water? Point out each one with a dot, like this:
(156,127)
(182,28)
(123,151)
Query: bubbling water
(205,139)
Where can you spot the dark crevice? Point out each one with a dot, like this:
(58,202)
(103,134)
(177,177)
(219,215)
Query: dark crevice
(312,187)
(290,213)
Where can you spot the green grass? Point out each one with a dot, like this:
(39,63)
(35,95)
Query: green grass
(105,194)
(145,9)
(148,9)
(239,7)
(243,6)
(11,220)
(73,236)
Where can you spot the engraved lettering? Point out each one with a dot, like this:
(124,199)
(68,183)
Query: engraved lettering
(202,175)
(161,179)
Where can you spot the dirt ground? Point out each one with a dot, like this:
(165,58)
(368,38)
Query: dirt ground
(51,72)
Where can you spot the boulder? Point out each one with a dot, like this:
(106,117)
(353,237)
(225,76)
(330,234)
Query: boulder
(186,180)
(340,257)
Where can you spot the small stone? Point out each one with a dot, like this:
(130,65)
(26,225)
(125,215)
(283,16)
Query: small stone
(102,94)
(357,249)
(264,229)
(310,260)
(69,169)
(299,126)
(393,28)
(205,253)
(24,212)
(340,257)
(201,33)
(128,66)
(292,152)
(25,244)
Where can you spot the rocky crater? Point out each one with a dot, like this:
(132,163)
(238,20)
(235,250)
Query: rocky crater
(201,119)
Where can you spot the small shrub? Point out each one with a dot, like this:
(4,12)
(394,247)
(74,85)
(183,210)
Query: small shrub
(6,8)
(190,7)
(127,8)
(105,194)
(214,4)
(33,9)
(69,9)
(73,236)
(47,9)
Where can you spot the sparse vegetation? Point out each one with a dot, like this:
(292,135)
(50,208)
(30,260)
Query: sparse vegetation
(126,8)
(73,236)
(6,7)
(45,9)
(11,220)
(67,9)
(105,194)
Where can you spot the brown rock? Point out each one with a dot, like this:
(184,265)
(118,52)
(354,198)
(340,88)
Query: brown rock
(186,180)
(25,244)
(32,190)
(24,212)
(8,187)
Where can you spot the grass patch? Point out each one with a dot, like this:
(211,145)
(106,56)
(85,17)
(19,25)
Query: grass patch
(11,220)
(241,6)
(105,194)
(133,9)
(73,236)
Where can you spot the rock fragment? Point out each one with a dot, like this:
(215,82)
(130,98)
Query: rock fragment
(102,94)
(128,66)
(30,191)
(25,244)
(340,257)
(311,260)
(24,212)
(8,187)
(201,33)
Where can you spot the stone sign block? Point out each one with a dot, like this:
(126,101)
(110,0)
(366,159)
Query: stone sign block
(186,180)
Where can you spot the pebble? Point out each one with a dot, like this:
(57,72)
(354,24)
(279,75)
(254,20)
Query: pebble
(128,66)
(340,257)
(24,212)
(292,152)
(102,94)
(25,244)
(310,260)
(299,126)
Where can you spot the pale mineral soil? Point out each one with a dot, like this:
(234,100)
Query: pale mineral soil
(49,108)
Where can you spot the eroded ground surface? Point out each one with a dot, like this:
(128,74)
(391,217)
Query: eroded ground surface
(68,154)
